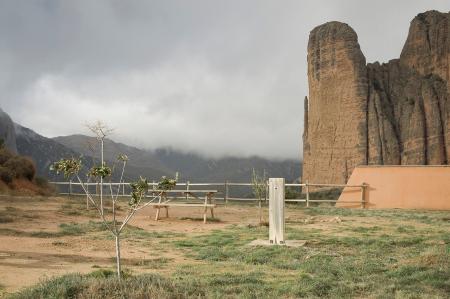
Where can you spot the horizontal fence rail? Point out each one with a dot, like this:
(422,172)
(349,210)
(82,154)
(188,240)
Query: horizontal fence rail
(224,192)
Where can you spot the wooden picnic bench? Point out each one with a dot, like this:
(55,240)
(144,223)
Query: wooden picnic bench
(165,202)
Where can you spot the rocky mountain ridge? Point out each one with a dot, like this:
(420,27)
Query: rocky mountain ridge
(151,164)
(395,113)
(7,133)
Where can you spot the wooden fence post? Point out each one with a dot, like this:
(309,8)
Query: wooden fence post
(87,196)
(70,188)
(307,194)
(266,193)
(226,192)
(363,199)
(187,189)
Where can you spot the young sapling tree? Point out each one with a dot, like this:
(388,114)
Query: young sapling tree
(139,197)
(101,131)
(259,186)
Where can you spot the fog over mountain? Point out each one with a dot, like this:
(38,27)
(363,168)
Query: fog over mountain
(191,166)
(214,77)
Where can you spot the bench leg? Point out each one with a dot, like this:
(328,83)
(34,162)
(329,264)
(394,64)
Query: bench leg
(167,212)
(212,213)
(204,214)
(157,214)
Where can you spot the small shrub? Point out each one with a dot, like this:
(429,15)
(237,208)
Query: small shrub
(6,175)
(5,155)
(21,167)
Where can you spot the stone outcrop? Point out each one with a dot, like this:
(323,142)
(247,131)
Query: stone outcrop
(396,113)
(7,133)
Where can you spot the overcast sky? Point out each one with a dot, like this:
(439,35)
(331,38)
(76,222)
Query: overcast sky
(217,77)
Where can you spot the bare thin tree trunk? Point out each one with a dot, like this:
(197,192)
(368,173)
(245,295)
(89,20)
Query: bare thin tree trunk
(260,212)
(101,180)
(118,256)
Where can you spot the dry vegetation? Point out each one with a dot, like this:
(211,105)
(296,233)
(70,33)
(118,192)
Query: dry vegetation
(55,248)
(18,176)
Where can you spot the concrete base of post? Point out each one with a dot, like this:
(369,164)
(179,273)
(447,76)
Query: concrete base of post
(287,243)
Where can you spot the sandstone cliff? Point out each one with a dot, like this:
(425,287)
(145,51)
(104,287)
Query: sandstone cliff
(396,113)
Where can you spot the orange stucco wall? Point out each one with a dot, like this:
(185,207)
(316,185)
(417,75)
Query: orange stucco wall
(406,187)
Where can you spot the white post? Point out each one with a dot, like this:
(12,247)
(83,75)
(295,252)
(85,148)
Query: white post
(276,210)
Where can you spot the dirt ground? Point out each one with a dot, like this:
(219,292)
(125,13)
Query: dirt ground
(25,260)
(42,237)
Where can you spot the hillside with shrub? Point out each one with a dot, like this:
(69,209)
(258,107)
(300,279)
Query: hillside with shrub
(18,175)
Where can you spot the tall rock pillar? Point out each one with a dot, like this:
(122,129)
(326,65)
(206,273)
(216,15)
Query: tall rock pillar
(335,138)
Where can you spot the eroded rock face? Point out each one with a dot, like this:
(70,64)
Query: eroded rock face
(7,133)
(395,113)
(427,48)
(336,135)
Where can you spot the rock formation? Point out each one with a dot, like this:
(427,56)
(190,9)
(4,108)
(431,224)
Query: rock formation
(7,134)
(396,113)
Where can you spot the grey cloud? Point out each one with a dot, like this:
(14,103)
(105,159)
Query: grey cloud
(217,77)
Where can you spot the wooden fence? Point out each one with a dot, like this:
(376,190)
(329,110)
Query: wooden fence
(225,187)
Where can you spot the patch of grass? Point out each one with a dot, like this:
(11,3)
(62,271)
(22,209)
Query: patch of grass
(10,214)
(240,285)
(102,273)
(156,263)
(65,229)
(345,262)
(70,229)
(134,232)
(76,229)
(108,273)
(102,284)
(77,208)
(427,217)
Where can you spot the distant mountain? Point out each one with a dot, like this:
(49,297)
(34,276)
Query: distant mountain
(44,151)
(193,167)
(140,162)
(151,164)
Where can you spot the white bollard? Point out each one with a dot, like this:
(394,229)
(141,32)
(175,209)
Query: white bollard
(276,211)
